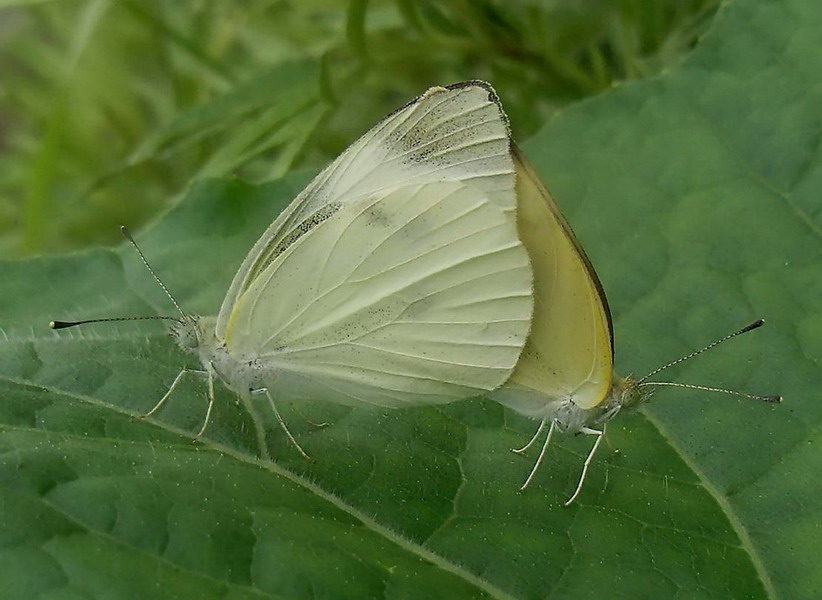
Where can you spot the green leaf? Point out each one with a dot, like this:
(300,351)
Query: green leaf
(695,195)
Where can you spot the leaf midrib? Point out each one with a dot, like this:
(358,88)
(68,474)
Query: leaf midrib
(369,523)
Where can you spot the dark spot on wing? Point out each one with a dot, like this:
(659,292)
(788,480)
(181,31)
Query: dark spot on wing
(320,215)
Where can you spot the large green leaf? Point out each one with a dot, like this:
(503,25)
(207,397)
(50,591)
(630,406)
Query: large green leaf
(697,197)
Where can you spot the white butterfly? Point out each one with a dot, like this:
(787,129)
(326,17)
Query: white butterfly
(396,278)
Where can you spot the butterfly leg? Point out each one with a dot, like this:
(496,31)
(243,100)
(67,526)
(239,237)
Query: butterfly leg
(171,388)
(306,419)
(541,455)
(604,419)
(282,423)
(590,457)
(259,428)
(533,439)
(210,393)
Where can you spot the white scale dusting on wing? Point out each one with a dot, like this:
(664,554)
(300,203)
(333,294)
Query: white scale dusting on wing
(448,138)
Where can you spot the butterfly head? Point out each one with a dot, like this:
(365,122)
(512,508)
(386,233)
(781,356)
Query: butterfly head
(628,394)
(186,333)
(193,333)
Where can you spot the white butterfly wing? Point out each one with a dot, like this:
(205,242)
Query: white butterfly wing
(459,133)
(423,295)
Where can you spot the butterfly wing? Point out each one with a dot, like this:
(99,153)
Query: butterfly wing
(458,133)
(420,296)
(569,352)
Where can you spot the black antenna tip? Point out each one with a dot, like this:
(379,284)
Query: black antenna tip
(772,399)
(755,325)
(61,324)
(126,233)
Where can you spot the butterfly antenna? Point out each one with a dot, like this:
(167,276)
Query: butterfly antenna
(755,325)
(128,236)
(67,324)
(705,388)
(644,381)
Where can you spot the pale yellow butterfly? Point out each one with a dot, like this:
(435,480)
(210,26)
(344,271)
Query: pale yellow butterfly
(565,376)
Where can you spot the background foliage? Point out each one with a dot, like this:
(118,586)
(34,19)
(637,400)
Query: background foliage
(696,193)
(109,108)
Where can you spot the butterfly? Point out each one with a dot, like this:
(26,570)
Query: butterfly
(565,375)
(395,278)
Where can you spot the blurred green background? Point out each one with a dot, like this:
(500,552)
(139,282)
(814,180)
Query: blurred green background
(109,109)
